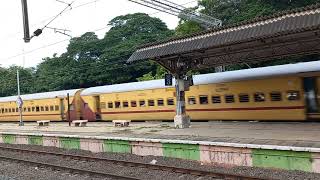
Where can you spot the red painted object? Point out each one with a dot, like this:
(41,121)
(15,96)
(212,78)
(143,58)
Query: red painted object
(86,112)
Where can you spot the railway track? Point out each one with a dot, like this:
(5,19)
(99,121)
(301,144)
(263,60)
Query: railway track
(69,169)
(195,172)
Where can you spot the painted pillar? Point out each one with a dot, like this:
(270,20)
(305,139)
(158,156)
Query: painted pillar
(181,120)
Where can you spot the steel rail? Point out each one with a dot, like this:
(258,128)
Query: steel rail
(195,172)
(67,168)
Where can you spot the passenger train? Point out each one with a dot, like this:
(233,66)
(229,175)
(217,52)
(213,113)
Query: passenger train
(285,92)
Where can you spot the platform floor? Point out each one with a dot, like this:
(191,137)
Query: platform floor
(298,134)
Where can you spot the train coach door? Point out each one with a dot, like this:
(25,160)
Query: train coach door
(62,109)
(98,109)
(310,90)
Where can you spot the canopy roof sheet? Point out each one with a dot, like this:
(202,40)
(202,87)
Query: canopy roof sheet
(281,24)
(223,77)
(44,95)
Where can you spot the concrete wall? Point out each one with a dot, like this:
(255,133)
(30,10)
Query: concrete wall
(223,154)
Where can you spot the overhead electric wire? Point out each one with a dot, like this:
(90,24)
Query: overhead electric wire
(152,7)
(180,11)
(20,32)
(58,42)
(33,50)
(45,46)
(60,13)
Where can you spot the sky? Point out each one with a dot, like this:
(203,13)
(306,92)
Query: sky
(85,16)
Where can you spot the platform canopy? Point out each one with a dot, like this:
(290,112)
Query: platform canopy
(289,33)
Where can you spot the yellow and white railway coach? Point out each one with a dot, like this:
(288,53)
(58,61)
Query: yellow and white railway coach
(42,106)
(283,92)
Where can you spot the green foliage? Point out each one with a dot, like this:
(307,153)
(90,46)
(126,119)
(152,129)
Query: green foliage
(157,74)
(90,61)
(233,11)
(8,81)
(187,27)
(127,33)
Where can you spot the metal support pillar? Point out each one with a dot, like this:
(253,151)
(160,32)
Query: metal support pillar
(181,120)
(68,101)
(25,21)
(19,100)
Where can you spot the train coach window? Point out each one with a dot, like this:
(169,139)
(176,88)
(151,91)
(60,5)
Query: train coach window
(37,109)
(243,98)
(110,105)
(13,110)
(47,108)
(29,109)
(6,110)
(229,98)
(203,99)
(17,109)
(216,99)
(259,97)
(293,95)
(170,101)
(51,108)
(192,100)
(33,109)
(160,102)
(103,105)
(150,102)
(42,109)
(142,103)
(125,104)
(133,103)
(117,104)
(56,108)
(24,109)
(275,96)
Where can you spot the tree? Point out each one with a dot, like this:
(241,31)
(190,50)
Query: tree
(186,27)
(235,11)
(85,47)
(158,73)
(8,81)
(126,34)
(90,61)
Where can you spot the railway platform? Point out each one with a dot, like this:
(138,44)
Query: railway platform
(283,145)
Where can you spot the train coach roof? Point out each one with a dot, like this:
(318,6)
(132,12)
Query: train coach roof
(229,76)
(44,95)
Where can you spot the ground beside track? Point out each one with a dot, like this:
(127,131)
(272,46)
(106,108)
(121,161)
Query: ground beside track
(21,171)
(301,134)
(276,145)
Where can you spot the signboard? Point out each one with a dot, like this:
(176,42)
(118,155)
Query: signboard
(168,79)
(19,102)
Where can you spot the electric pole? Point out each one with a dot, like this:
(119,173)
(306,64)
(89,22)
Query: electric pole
(19,100)
(25,21)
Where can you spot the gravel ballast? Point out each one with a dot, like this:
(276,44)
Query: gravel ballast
(11,169)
